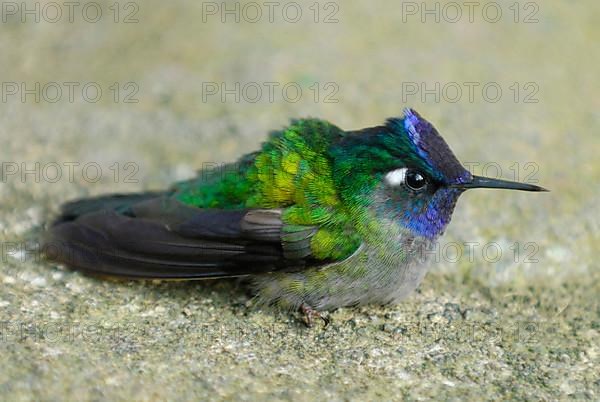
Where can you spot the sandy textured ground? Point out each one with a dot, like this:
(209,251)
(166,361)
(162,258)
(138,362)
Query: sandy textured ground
(524,325)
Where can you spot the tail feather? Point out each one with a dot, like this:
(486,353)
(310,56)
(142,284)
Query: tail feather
(152,235)
(115,202)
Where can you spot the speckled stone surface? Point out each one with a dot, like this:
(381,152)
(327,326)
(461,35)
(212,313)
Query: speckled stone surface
(520,325)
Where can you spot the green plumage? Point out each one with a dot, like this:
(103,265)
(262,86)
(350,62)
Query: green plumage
(292,171)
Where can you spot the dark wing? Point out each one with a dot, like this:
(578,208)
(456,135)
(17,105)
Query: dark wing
(159,237)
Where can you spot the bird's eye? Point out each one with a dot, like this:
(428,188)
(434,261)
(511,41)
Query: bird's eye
(411,178)
(415,180)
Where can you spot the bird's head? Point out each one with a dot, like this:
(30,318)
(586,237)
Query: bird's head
(404,171)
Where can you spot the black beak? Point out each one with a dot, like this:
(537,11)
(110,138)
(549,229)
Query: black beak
(487,182)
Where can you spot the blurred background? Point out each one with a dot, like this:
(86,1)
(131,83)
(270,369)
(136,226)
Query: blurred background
(109,96)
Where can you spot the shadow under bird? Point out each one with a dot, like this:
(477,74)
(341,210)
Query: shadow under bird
(317,219)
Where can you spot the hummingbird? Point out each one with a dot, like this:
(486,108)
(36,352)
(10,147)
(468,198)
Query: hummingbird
(319,218)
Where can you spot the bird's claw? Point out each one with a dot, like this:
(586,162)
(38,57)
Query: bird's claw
(309,315)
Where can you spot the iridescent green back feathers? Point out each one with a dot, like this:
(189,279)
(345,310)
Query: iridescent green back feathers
(293,171)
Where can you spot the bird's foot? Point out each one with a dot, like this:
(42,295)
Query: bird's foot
(309,315)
